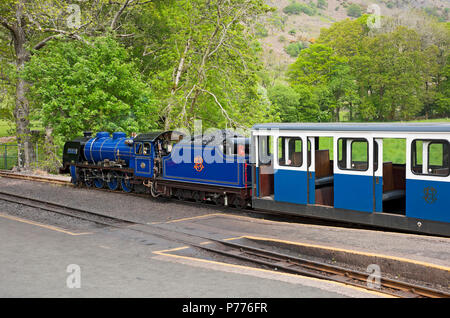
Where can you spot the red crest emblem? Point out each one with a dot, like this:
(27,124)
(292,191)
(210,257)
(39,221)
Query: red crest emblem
(198,163)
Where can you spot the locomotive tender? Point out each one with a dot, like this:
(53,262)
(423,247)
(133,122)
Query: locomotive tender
(332,171)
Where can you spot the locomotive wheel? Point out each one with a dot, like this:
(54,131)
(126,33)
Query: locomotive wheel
(126,185)
(239,202)
(196,196)
(219,200)
(98,183)
(113,183)
(179,194)
(88,183)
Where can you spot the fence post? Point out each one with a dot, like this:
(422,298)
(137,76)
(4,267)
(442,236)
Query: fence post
(6,157)
(37,156)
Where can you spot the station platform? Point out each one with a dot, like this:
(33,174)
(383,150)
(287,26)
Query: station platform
(413,256)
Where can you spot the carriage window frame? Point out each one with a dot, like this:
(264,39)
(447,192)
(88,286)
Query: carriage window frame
(265,141)
(431,141)
(344,155)
(283,138)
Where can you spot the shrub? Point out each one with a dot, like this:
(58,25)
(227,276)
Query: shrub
(294,49)
(297,8)
(261,31)
(354,10)
(322,4)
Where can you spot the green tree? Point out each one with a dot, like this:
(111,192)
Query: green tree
(345,37)
(293,49)
(31,24)
(354,10)
(95,86)
(297,104)
(391,72)
(207,62)
(314,66)
(322,4)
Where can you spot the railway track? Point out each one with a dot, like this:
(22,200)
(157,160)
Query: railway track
(321,270)
(12,175)
(81,214)
(259,257)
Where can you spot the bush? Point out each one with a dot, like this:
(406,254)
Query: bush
(293,8)
(261,31)
(354,10)
(294,49)
(322,4)
(292,32)
(297,8)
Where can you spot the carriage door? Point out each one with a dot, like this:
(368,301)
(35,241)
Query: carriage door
(143,159)
(291,175)
(353,173)
(378,175)
(428,179)
(310,168)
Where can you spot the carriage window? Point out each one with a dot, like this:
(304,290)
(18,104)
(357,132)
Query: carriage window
(138,148)
(290,151)
(354,158)
(437,160)
(265,149)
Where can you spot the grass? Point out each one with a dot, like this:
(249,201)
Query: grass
(6,128)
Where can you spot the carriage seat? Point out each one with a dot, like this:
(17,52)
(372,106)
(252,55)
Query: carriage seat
(324,181)
(393,195)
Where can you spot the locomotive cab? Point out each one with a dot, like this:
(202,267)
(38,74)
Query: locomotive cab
(150,148)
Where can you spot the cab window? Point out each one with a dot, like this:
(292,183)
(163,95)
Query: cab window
(138,148)
(147,149)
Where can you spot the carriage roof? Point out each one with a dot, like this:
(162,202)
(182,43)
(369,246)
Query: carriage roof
(380,127)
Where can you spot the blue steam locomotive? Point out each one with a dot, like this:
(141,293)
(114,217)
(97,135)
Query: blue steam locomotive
(330,171)
(211,168)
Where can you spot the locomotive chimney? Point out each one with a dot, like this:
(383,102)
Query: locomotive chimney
(87,134)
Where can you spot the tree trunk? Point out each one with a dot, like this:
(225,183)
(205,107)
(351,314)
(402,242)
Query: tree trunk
(22,109)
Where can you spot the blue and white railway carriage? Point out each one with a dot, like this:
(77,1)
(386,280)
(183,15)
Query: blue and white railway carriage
(340,172)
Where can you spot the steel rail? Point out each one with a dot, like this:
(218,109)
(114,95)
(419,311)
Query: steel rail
(277,261)
(304,266)
(33,178)
(286,263)
(63,209)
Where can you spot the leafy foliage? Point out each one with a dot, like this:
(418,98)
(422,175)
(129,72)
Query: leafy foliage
(81,87)
(354,10)
(297,8)
(293,49)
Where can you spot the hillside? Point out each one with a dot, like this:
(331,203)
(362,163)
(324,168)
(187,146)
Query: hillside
(282,29)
